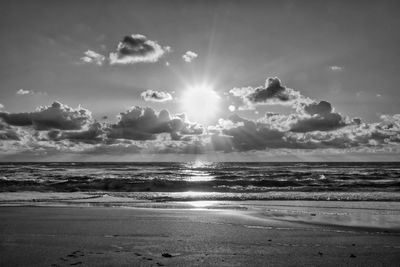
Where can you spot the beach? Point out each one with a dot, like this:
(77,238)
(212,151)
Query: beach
(59,232)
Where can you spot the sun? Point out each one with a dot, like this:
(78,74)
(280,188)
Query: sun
(200,103)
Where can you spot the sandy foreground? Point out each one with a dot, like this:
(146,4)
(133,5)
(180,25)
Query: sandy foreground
(199,233)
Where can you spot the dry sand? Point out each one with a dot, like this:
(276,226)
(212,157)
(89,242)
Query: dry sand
(280,233)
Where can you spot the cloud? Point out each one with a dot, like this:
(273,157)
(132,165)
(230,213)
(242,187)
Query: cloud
(321,108)
(56,116)
(144,124)
(24,92)
(29,92)
(7,132)
(272,93)
(321,118)
(156,96)
(137,48)
(276,131)
(93,57)
(336,68)
(246,135)
(58,129)
(189,56)
(311,115)
(328,122)
(1,106)
(93,134)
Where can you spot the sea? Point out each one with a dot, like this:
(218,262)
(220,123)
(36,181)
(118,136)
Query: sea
(198,180)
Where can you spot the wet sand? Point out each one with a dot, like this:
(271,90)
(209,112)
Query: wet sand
(281,233)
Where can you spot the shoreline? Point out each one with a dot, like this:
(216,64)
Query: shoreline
(379,215)
(145,236)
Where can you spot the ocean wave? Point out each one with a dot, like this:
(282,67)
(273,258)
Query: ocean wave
(207,177)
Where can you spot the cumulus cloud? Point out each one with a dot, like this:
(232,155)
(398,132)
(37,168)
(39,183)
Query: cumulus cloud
(276,131)
(320,118)
(311,115)
(243,134)
(156,96)
(1,106)
(93,134)
(93,58)
(272,93)
(144,124)
(328,122)
(7,132)
(61,129)
(137,48)
(189,56)
(56,116)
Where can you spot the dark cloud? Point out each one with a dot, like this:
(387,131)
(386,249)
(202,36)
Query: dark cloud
(320,118)
(273,89)
(243,134)
(327,122)
(137,48)
(144,123)
(156,96)
(321,108)
(93,134)
(272,93)
(7,132)
(56,116)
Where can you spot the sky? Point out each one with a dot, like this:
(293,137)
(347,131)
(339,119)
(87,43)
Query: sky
(210,80)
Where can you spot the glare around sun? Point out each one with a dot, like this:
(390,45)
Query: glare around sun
(200,103)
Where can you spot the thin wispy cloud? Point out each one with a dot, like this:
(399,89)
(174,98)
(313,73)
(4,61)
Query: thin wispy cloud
(29,92)
(93,58)
(24,92)
(336,68)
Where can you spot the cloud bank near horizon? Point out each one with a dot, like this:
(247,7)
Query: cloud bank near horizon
(314,125)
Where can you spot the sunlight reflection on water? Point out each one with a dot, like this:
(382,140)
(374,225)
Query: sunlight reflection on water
(195,173)
(202,204)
